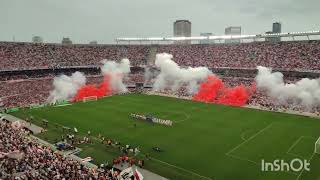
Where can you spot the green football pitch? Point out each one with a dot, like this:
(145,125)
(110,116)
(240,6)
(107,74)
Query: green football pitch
(205,142)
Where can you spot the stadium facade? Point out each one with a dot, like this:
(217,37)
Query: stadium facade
(223,38)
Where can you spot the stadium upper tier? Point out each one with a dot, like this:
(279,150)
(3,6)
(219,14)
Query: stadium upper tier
(15,56)
(293,55)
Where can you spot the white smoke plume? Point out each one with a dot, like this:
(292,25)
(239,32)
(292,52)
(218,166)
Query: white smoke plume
(66,87)
(305,92)
(173,76)
(150,74)
(147,74)
(116,73)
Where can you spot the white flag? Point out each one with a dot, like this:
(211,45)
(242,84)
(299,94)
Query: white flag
(16,125)
(87,159)
(126,174)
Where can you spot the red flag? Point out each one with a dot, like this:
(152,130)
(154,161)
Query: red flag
(137,175)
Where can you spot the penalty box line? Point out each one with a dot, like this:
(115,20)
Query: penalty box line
(296,143)
(248,160)
(249,139)
(244,142)
(303,168)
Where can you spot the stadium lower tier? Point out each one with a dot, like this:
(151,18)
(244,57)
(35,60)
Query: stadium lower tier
(26,92)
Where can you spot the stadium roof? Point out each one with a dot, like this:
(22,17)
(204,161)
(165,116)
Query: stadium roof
(223,37)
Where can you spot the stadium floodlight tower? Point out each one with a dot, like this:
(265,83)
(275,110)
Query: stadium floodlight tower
(317,147)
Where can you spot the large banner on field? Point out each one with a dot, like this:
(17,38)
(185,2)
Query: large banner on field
(152,119)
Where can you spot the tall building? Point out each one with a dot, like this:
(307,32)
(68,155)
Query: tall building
(66,41)
(206,41)
(232,30)
(276,28)
(182,28)
(37,39)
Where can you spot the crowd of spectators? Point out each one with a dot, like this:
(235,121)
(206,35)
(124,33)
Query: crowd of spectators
(21,90)
(25,92)
(17,93)
(18,56)
(258,98)
(293,55)
(22,158)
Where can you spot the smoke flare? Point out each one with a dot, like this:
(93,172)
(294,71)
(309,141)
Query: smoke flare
(214,91)
(305,92)
(65,87)
(173,76)
(113,73)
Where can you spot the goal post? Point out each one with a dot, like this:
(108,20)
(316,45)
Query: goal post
(89,98)
(317,146)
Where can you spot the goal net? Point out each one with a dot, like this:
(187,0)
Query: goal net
(90,98)
(317,146)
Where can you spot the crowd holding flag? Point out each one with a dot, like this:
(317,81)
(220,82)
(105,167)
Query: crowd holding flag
(137,175)
(130,174)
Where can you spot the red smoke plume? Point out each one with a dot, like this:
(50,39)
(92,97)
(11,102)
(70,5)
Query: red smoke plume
(214,91)
(208,90)
(91,90)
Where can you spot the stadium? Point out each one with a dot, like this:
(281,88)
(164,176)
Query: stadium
(214,107)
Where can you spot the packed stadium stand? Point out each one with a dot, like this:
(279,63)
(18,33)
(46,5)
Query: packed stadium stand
(23,158)
(292,55)
(27,67)
(295,55)
(18,56)
(27,71)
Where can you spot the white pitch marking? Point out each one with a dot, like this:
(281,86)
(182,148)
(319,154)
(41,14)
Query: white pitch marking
(303,168)
(294,144)
(252,137)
